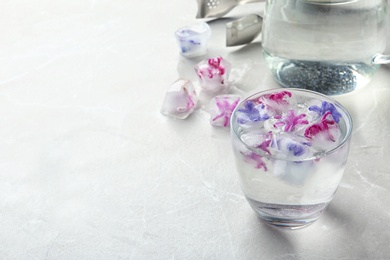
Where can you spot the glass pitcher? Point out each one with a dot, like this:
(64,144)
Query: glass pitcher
(329,46)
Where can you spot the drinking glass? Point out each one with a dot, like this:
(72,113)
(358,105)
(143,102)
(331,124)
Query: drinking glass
(291,147)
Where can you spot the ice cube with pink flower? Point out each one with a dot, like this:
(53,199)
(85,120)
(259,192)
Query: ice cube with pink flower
(221,109)
(180,99)
(213,74)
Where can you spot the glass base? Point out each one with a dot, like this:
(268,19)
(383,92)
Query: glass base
(287,224)
(288,216)
(329,78)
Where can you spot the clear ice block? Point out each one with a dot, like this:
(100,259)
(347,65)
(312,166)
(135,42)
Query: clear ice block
(221,109)
(213,74)
(193,39)
(180,99)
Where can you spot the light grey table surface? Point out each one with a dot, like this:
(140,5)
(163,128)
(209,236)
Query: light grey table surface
(90,169)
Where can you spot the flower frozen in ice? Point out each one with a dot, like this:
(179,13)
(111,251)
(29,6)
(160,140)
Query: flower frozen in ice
(222,108)
(258,159)
(252,112)
(193,39)
(213,74)
(327,107)
(277,102)
(280,97)
(296,148)
(291,121)
(180,99)
(322,127)
(266,143)
(215,67)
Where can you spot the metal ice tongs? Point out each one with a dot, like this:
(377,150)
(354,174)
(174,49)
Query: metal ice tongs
(244,30)
(218,8)
(238,32)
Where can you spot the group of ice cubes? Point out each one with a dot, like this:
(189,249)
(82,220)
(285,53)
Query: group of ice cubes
(181,100)
(212,73)
(293,144)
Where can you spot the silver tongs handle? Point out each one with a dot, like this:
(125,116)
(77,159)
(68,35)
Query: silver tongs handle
(218,8)
(244,30)
(381,59)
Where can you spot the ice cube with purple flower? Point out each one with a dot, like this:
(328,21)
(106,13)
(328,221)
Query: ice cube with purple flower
(193,39)
(252,112)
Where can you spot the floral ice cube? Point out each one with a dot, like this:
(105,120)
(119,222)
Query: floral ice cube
(221,108)
(278,101)
(293,173)
(213,74)
(325,134)
(193,39)
(180,99)
(290,147)
(252,112)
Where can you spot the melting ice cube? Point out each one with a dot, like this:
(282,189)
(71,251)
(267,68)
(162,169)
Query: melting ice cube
(295,173)
(193,39)
(213,74)
(180,99)
(221,109)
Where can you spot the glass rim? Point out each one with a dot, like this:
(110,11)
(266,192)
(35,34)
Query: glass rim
(348,120)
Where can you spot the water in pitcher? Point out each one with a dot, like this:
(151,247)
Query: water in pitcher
(325,46)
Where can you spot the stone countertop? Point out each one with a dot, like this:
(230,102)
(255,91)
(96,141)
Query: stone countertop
(90,169)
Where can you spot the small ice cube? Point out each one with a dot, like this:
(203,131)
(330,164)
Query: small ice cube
(258,140)
(193,39)
(180,99)
(251,139)
(213,74)
(326,134)
(313,102)
(221,109)
(327,140)
(250,113)
(278,102)
(293,173)
(291,147)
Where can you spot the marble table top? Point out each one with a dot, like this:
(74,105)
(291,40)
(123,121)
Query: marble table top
(90,168)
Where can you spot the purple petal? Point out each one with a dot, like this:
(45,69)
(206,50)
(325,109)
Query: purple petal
(297,149)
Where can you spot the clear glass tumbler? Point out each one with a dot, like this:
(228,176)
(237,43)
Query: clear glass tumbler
(291,147)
